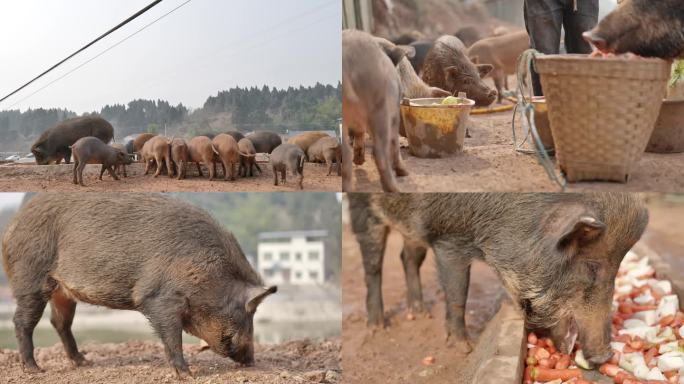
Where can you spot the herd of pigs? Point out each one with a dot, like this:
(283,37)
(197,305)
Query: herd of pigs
(87,138)
(378,73)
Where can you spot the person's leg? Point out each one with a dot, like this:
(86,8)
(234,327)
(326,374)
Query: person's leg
(543,20)
(575,23)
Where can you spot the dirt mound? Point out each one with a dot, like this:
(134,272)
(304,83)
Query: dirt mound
(144,362)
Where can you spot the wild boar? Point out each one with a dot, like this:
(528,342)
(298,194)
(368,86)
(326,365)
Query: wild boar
(307,139)
(288,157)
(557,254)
(247,158)
(237,135)
(91,150)
(156,151)
(447,67)
(646,28)
(228,154)
(327,150)
(53,144)
(201,150)
(188,273)
(264,141)
(179,157)
(502,53)
(120,169)
(140,141)
(371,93)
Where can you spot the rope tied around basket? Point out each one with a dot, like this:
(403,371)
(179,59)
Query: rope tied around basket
(525,65)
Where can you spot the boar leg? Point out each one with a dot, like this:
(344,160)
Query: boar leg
(158,159)
(372,244)
(382,152)
(257,166)
(102,171)
(397,162)
(29,310)
(232,171)
(275,176)
(81,166)
(453,265)
(346,166)
(61,317)
(169,167)
(67,156)
(212,170)
(498,76)
(412,257)
(112,173)
(168,325)
(123,166)
(75,171)
(283,174)
(199,169)
(360,147)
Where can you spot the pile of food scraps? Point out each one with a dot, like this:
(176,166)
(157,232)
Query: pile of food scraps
(647,336)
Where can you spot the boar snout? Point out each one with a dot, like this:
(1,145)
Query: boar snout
(595,341)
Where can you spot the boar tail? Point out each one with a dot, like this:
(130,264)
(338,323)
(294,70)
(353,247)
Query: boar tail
(301,162)
(246,154)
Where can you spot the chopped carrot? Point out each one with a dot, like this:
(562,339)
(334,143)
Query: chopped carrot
(563,362)
(667,320)
(541,353)
(544,374)
(532,338)
(649,355)
(609,369)
(615,359)
(545,363)
(527,377)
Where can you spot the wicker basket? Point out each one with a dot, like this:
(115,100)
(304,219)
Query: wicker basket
(602,111)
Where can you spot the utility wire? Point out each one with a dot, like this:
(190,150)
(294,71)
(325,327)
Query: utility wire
(100,54)
(128,20)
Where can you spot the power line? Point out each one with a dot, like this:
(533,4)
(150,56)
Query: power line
(128,20)
(100,54)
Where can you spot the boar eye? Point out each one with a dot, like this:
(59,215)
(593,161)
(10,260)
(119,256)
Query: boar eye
(593,269)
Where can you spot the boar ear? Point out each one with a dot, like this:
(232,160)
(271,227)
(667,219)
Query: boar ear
(583,232)
(475,59)
(484,69)
(409,51)
(256,295)
(453,71)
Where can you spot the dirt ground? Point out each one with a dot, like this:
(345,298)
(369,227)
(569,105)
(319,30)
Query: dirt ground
(58,178)
(144,362)
(490,163)
(396,351)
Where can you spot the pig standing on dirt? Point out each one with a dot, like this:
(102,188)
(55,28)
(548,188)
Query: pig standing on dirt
(140,141)
(157,150)
(54,144)
(91,150)
(120,169)
(307,139)
(326,150)
(201,150)
(264,141)
(502,53)
(187,274)
(371,93)
(236,135)
(644,27)
(228,154)
(247,158)
(447,67)
(288,157)
(557,254)
(179,157)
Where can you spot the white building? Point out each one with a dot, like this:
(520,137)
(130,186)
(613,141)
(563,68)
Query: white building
(293,257)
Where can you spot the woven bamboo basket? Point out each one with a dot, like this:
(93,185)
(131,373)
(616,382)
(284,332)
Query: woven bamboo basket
(602,111)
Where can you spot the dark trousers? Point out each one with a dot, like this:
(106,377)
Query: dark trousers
(544,19)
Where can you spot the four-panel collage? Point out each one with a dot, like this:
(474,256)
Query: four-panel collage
(342,191)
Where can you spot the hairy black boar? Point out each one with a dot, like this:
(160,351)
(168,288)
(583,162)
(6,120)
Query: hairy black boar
(288,157)
(647,28)
(447,67)
(53,144)
(247,158)
(557,254)
(264,141)
(187,274)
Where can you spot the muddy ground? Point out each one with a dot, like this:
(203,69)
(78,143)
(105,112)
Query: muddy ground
(394,354)
(490,163)
(144,362)
(58,178)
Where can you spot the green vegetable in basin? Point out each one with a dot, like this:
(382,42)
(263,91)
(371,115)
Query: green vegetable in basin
(453,100)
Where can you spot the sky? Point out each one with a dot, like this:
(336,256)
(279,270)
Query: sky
(203,47)
(10,199)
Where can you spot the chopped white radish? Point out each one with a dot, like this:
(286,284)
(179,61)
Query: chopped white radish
(623,289)
(618,346)
(668,347)
(670,361)
(655,374)
(641,372)
(681,331)
(634,323)
(648,317)
(647,333)
(668,306)
(645,299)
(663,287)
(666,334)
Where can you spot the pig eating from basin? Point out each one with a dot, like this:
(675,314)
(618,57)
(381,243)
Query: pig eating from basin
(187,273)
(556,254)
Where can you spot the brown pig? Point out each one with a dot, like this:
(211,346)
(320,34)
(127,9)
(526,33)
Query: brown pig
(201,150)
(179,157)
(140,140)
(502,53)
(120,169)
(327,150)
(247,158)
(228,154)
(91,150)
(371,93)
(447,67)
(307,139)
(188,273)
(288,157)
(156,151)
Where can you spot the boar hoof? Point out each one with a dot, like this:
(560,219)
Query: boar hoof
(462,346)
(80,361)
(32,369)
(183,374)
